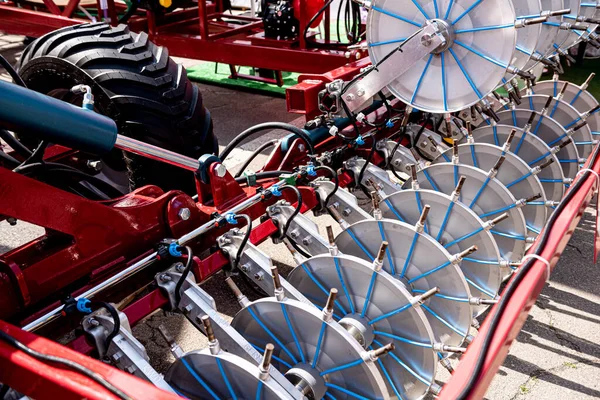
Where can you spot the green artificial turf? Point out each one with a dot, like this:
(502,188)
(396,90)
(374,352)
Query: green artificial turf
(205,73)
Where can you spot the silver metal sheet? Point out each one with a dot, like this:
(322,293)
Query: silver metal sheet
(391,21)
(363,239)
(530,149)
(266,319)
(460,221)
(493,197)
(528,36)
(363,296)
(549,32)
(484,156)
(549,131)
(566,115)
(582,100)
(241,375)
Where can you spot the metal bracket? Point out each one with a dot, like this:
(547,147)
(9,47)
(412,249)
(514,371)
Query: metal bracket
(385,185)
(125,351)
(345,202)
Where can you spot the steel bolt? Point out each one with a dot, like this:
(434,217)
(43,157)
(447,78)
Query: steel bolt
(180,267)
(188,309)
(259,276)
(131,369)
(95,165)
(347,211)
(220,170)
(93,322)
(294,233)
(245,267)
(350,97)
(164,278)
(184,214)
(301,147)
(117,356)
(11,221)
(360,92)
(426,40)
(307,241)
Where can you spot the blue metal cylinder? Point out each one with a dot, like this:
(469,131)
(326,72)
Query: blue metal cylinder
(31,113)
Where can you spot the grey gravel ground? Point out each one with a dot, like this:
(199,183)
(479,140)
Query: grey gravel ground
(556,356)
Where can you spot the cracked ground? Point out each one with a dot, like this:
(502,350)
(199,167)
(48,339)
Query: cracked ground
(556,355)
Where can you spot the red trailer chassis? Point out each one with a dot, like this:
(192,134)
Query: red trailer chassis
(204,32)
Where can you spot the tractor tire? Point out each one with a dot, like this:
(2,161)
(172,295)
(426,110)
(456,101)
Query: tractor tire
(135,83)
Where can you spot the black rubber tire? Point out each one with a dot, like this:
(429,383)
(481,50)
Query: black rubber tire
(136,84)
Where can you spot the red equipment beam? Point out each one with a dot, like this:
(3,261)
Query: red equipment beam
(47,380)
(32,23)
(523,299)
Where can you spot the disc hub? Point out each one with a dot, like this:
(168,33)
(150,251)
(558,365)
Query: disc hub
(308,381)
(359,328)
(446,30)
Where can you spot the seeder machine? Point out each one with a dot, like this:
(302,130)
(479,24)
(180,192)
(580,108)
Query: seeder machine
(475,183)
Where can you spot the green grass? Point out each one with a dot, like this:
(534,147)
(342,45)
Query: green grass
(578,75)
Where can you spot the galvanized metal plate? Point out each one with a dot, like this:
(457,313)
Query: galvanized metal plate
(460,76)
(582,100)
(294,329)
(528,36)
(550,132)
(378,308)
(198,373)
(514,174)
(450,223)
(532,150)
(550,29)
(566,115)
(449,315)
(489,195)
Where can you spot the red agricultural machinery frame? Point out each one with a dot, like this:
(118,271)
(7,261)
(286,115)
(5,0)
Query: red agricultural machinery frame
(203,32)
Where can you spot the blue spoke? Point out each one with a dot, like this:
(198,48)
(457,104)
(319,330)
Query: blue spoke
(329,396)
(445,297)
(495,130)
(279,360)
(421,78)
(393,210)
(484,28)
(484,262)
(468,10)
(388,377)
(394,41)
(445,221)
(432,271)
(444,94)
(319,343)
(449,9)
(199,379)
(462,238)
(552,143)
(409,255)
(519,180)
(443,321)
(524,50)
(338,269)
(226,380)
(320,286)
(362,246)
(553,108)
(272,336)
(551,180)
(446,157)
(539,123)
(293,332)
(403,364)
(393,15)
(402,339)
(465,73)
(390,314)
(480,288)
(431,182)
(480,54)
(421,9)
(473,157)
(345,391)
(533,229)
(539,158)
(342,367)
(576,96)
(573,123)
(387,250)
(259,391)
(521,141)
(369,293)
(420,206)
(498,211)
(481,189)
(508,235)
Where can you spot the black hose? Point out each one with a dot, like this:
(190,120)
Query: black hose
(298,248)
(36,157)
(255,154)
(268,126)
(95,305)
(15,144)
(11,162)
(188,267)
(99,379)
(240,251)
(296,211)
(335,180)
(11,71)
(364,168)
(520,275)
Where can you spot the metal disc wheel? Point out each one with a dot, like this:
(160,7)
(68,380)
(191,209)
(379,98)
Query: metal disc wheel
(420,263)
(514,173)
(532,150)
(376,309)
(318,357)
(551,132)
(528,36)
(456,227)
(550,29)
(460,75)
(485,197)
